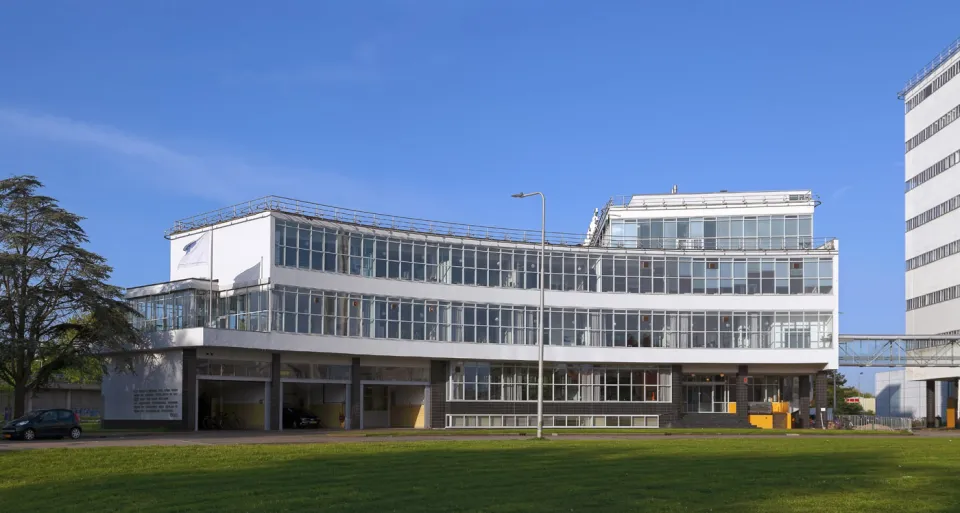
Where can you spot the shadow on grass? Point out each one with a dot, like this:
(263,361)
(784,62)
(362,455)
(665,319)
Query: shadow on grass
(497,476)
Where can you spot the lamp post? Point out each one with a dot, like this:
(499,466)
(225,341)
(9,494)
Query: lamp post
(543,256)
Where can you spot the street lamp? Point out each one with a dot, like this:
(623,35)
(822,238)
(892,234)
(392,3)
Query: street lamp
(543,256)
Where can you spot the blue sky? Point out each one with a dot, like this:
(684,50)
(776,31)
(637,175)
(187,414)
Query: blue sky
(136,114)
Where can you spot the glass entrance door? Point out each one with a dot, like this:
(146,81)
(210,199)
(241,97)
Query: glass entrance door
(705,393)
(710,398)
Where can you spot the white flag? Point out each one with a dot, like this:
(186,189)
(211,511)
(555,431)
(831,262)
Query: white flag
(196,252)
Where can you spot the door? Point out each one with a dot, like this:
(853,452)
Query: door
(48,424)
(706,399)
(376,413)
(66,421)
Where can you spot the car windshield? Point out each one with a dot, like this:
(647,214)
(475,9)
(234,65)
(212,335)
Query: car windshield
(30,415)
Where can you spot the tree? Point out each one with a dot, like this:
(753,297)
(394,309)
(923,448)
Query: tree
(844,392)
(56,308)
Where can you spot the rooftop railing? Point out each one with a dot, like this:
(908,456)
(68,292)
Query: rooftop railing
(932,66)
(410,224)
(360,217)
(721,200)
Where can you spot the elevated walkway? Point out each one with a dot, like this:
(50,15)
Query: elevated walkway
(899,350)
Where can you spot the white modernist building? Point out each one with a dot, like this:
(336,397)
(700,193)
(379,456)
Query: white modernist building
(677,309)
(932,213)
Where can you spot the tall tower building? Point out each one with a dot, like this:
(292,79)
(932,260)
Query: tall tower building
(932,203)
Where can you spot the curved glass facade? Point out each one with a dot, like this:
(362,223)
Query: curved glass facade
(320,248)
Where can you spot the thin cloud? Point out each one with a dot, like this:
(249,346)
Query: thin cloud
(839,193)
(312,75)
(360,67)
(222,178)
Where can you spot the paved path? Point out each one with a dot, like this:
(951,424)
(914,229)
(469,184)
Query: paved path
(227,438)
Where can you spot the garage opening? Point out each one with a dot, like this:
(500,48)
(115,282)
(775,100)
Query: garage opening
(231,405)
(314,405)
(393,406)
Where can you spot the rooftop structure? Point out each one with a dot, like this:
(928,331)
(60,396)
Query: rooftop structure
(930,68)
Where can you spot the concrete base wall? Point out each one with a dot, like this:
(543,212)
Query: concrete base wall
(173,425)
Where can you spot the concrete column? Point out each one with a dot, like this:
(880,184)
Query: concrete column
(931,402)
(676,391)
(356,395)
(803,402)
(742,393)
(788,390)
(438,394)
(276,393)
(189,390)
(820,399)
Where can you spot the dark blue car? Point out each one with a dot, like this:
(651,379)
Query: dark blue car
(56,423)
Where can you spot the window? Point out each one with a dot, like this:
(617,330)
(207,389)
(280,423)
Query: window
(309,311)
(933,255)
(940,296)
(932,129)
(330,250)
(940,210)
(484,381)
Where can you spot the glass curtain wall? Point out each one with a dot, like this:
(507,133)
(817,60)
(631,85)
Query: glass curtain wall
(304,246)
(172,311)
(311,311)
(485,381)
(735,232)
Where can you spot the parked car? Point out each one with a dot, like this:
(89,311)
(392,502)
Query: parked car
(299,418)
(56,423)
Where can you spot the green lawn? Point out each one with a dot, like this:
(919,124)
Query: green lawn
(660,475)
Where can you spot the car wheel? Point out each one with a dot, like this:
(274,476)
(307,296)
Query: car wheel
(29,435)
(75,433)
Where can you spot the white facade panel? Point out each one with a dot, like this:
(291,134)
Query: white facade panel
(152,391)
(934,319)
(938,189)
(936,147)
(932,235)
(241,253)
(933,277)
(269,342)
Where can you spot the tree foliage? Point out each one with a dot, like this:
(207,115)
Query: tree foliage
(57,308)
(844,392)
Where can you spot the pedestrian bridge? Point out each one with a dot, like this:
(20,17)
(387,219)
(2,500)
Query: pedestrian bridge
(899,350)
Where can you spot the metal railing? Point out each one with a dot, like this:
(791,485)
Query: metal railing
(874,423)
(931,66)
(728,243)
(371,219)
(712,200)
(899,350)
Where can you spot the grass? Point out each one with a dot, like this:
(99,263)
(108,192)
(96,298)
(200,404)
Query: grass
(610,431)
(734,474)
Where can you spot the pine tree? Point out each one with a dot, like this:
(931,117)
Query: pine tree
(56,308)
